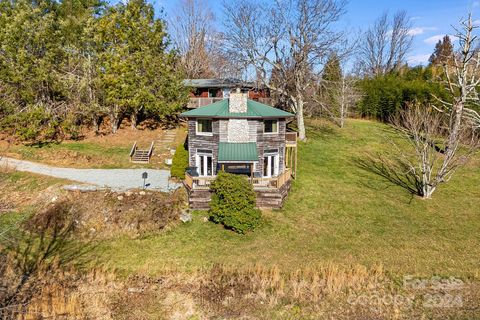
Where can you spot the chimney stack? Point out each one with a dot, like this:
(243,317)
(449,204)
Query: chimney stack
(238,102)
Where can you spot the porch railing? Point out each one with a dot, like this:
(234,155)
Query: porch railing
(275,182)
(200,102)
(291,138)
(198,183)
(203,183)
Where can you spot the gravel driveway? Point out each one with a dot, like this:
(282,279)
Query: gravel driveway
(115,179)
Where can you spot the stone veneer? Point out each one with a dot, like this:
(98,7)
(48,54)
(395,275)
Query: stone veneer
(237,102)
(237,130)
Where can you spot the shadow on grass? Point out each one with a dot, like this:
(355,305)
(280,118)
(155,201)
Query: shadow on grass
(35,249)
(394,172)
(321,131)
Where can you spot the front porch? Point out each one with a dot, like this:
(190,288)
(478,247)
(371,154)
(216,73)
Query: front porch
(271,192)
(203,183)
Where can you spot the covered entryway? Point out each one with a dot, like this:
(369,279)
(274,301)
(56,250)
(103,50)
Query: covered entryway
(238,158)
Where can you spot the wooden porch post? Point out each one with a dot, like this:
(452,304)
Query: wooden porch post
(251,173)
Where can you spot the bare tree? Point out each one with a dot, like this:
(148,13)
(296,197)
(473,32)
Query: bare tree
(344,95)
(199,43)
(190,29)
(427,160)
(386,44)
(289,39)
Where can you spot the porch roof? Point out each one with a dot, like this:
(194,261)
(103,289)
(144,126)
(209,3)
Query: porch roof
(228,151)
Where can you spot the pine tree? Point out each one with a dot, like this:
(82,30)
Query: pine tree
(331,78)
(443,52)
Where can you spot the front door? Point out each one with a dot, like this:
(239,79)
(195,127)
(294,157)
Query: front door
(270,165)
(205,165)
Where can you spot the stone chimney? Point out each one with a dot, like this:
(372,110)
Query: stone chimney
(238,102)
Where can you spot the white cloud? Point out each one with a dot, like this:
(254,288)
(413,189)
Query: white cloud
(419,30)
(418,59)
(434,39)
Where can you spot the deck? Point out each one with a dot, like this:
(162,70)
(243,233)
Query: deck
(271,192)
(196,102)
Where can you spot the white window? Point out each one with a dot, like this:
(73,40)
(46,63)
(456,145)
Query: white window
(270,126)
(271,163)
(204,127)
(204,163)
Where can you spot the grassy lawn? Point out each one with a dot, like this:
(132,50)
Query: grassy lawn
(98,154)
(336,212)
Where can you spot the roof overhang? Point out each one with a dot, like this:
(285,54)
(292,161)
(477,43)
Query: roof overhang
(237,152)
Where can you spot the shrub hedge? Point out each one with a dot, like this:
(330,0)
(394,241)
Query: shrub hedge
(179,162)
(233,203)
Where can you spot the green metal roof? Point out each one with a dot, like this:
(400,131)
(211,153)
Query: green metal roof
(229,151)
(220,110)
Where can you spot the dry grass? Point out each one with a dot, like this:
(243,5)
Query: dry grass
(226,292)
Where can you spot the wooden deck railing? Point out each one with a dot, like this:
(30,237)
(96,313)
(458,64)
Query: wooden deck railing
(196,102)
(200,102)
(275,182)
(203,183)
(291,138)
(198,183)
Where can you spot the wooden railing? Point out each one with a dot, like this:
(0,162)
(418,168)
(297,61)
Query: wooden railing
(291,138)
(150,151)
(132,151)
(198,183)
(200,102)
(275,182)
(203,183)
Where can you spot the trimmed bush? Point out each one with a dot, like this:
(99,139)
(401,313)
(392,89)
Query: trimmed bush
(233,203)
(179,162)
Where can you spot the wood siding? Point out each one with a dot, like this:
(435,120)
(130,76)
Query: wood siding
(256,134)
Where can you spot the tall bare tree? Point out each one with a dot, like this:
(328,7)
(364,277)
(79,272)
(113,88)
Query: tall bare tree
(288,38)
(199,42)
(386,44)
(343,95)
(191,29)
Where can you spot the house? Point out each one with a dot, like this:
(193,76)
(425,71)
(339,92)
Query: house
(207,91)
(241,136)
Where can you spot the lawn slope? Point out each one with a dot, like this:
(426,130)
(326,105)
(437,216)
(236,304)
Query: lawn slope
(336,212)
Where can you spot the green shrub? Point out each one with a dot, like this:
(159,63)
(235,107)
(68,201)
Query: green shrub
(233,203)
(179,162)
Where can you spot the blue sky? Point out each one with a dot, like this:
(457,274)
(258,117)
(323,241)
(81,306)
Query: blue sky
(431,18)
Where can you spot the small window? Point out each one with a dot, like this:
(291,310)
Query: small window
(204,126)
(270,126)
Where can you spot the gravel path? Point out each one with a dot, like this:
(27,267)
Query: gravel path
(115,179)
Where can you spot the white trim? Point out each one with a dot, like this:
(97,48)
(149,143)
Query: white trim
(278,126)
(238,162)
(208,134)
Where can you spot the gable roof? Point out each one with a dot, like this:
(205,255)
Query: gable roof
(220,110)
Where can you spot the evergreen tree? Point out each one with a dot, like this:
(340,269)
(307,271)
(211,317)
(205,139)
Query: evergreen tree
(136,71)
(443,51)
(330,82)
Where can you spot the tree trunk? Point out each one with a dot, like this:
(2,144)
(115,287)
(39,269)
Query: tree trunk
(114,119)
(133,120)
(96,123)
(428,191)
(300,121)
